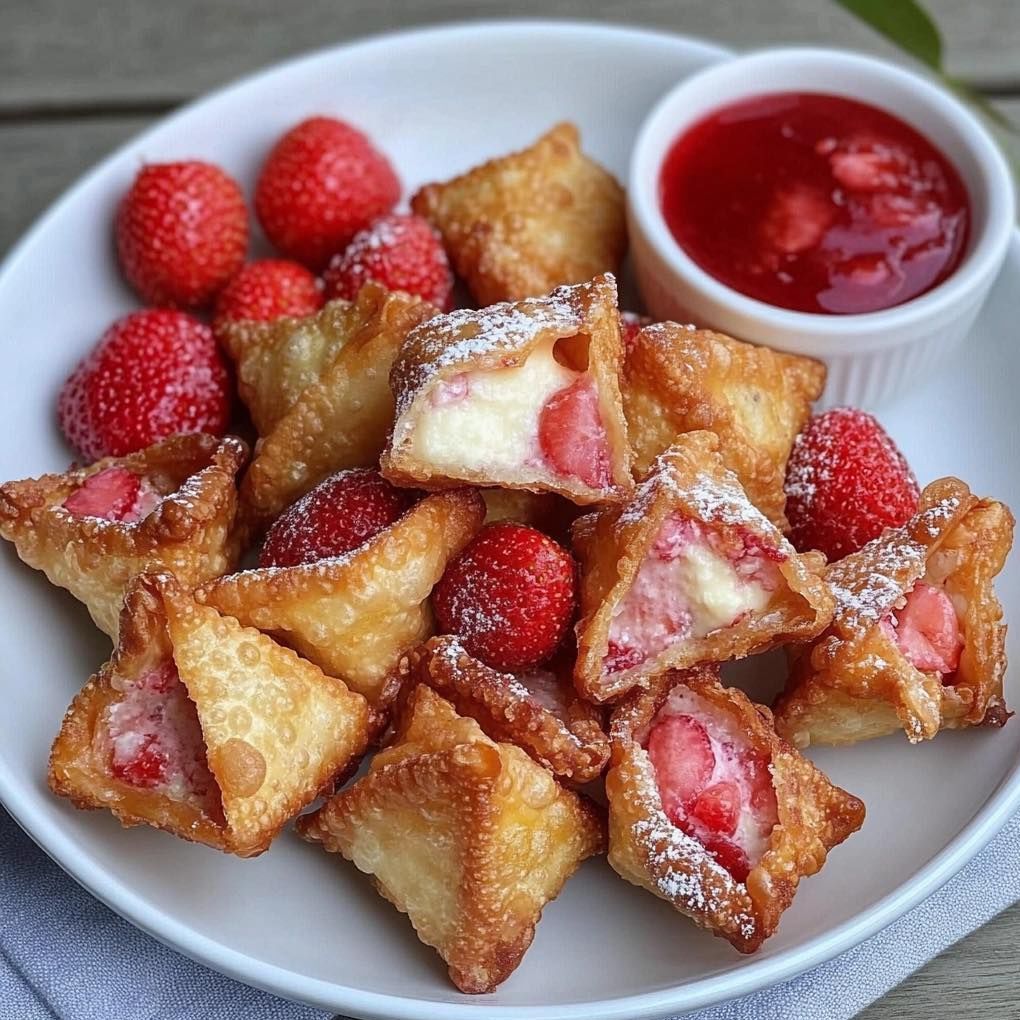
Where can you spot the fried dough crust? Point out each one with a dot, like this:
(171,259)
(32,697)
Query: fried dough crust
(581,325)
(679,379)
(354,615)
(522,224)
(612,543)
(341,420)
(853,683)
(276,730)
(189,533)
(275,362)
(468,837)
(646,849)
(544,716)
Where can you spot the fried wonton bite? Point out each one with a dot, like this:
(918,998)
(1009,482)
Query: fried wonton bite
(521,396)
(202,727)
(687,572)
(468,837)
(354,615)
(522,224)
(713,812)
(679,379)
(539,711)
(277,361)
(917,641)
(339,420)
(90,530)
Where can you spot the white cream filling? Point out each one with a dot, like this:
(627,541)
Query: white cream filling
(690,596)
(716,593)
(493,425)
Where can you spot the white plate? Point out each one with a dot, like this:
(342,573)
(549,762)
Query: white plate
(307,925)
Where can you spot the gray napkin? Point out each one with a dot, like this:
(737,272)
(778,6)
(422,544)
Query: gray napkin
(64,956)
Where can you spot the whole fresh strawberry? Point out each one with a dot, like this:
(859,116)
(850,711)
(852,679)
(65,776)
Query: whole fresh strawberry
(338,515)
(845,483)
(182,233)
(322,182)
(509,597)
(399,252)
(268,289)
(153,374)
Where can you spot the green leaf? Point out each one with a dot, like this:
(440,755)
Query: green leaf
(905,22)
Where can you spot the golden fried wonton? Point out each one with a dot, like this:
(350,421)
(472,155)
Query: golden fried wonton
(468,837)
(687,572)
(917,641)
(522,224)
(202,727)
(354,615)
(168,507)
(679,379)
(734,819)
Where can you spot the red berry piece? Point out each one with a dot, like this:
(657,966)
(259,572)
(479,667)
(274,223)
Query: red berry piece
(572,436)
(182,233)
(153,374)
(338,515)
(107,494)
(762,791)
(322,182)
(681,754)
(718,807)
(845,483)
(927,630)
(510,596)
(619,658)
(727,853)
(146,768)
(398,252)
(630,325)
(113,495)
(268,289)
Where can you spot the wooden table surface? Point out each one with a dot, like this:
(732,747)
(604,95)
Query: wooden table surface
(78,77)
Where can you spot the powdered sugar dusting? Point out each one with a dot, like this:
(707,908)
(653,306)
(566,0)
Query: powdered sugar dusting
(865,603)
(715,500)
(678,861)
(462,336)
(894,561)
(539,687)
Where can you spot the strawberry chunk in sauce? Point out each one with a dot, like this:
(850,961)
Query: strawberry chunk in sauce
(571,434)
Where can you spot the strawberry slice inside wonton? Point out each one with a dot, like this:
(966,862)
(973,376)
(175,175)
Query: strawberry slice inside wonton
(926,629)
(542,415)
(114,494)
(154,740)
(696,579)
(713,784)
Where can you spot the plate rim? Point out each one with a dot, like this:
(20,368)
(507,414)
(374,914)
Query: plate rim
(754,976)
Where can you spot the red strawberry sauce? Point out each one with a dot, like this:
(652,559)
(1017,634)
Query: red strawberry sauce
(815,203)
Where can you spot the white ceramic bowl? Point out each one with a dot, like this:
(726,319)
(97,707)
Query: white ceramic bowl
(872,356)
